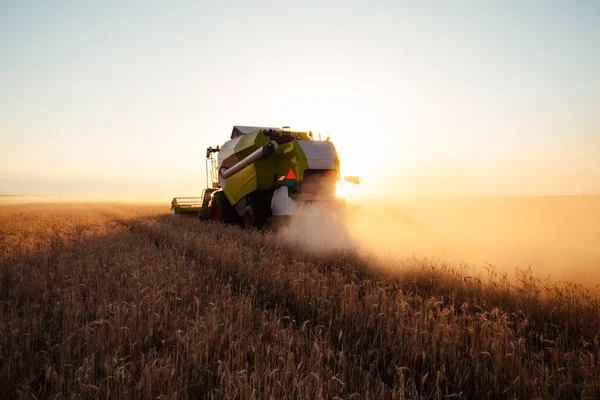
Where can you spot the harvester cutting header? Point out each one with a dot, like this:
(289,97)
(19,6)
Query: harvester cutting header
(262,172)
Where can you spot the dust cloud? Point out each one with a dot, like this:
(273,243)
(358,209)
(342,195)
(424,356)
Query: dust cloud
(319,227)
(558,237)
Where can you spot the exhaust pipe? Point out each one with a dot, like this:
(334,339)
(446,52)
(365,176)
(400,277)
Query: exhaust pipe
(264,152)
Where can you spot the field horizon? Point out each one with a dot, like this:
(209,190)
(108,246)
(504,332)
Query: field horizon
(554,236)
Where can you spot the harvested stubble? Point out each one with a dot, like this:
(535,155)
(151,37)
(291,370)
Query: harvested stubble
(107,301)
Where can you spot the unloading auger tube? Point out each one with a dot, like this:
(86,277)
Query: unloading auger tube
(264,152)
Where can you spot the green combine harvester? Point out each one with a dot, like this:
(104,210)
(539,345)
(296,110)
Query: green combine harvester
(262,173)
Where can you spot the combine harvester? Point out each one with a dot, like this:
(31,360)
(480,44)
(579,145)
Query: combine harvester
(262,173)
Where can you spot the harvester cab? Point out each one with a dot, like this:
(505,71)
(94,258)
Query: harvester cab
(265,172)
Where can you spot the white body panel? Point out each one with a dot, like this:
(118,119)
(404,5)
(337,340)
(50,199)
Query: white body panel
(320,155)
(227,150)
(282,203)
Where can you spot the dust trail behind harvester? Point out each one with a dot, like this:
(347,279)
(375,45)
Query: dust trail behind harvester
(556,236)
(318,227)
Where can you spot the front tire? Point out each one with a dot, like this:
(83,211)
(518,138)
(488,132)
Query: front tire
(253,218)
(221,210)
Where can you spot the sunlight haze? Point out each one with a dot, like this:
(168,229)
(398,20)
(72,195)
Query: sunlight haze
(420,98)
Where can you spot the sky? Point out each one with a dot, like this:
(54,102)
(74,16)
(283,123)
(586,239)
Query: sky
(420,98)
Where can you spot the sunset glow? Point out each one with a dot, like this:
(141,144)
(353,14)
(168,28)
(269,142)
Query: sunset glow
(478,99)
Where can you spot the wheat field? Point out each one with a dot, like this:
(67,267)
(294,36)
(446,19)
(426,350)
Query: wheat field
(123,301)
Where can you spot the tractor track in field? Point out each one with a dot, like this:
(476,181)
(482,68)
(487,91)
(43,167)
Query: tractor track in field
(294,310)
(298,313)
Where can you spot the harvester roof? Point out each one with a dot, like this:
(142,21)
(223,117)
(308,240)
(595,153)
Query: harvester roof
(239,130)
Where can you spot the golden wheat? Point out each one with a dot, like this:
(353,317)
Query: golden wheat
(113,301)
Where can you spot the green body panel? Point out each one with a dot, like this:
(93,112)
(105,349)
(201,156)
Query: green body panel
(241,184)
(288,156)
(249,143)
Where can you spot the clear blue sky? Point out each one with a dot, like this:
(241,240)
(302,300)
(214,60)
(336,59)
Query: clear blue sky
(465,97)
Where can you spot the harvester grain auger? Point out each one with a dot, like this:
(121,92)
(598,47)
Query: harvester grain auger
(262,173)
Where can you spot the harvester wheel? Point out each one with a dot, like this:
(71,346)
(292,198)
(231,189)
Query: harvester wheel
(253,218)
(222,211)
(216,211)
